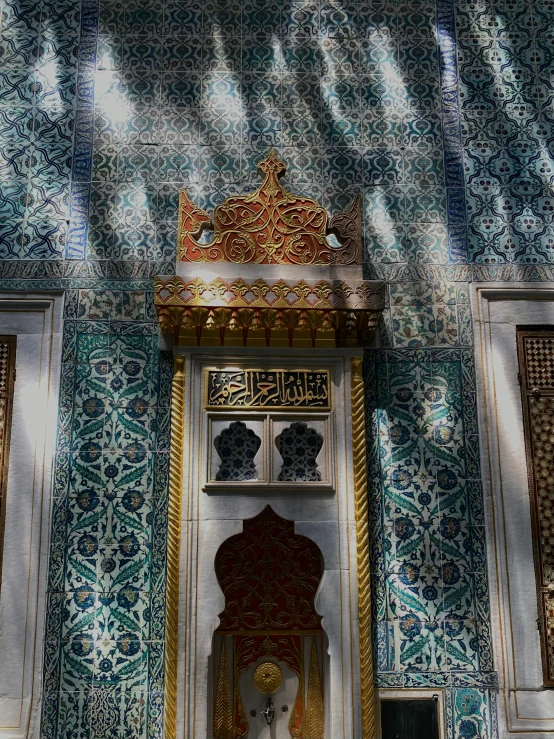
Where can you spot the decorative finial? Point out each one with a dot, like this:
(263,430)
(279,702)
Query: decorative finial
(272,164)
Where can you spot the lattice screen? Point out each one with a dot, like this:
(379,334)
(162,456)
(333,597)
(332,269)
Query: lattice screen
(536,366)
(7,379)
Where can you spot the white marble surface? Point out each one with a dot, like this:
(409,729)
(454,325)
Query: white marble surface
(525,708)
(36,320)
(209,518)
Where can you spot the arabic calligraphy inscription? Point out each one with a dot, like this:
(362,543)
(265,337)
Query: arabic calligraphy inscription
(250,388)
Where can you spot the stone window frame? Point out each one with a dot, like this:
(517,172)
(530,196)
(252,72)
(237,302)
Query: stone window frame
(268,425)
(36,318)
(523,705)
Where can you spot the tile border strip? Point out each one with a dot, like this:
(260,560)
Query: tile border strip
(84,132)
(451,133)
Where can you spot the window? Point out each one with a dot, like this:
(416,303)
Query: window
(7,378)
(536,374)
(299,446)
(237,447)
(273,449)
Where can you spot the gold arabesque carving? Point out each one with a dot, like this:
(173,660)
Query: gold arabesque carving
(314,721)
(223,714)
(268,677)
(270,225)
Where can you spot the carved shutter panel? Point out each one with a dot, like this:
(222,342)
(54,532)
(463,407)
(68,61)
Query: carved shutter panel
(7,378)
(536,367)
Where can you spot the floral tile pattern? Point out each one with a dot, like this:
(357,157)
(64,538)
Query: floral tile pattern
(507,130)
(107,567)
(429,557)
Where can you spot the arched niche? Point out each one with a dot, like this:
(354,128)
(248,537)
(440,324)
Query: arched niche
(269,576)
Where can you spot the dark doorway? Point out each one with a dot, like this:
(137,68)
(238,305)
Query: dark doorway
(410,719)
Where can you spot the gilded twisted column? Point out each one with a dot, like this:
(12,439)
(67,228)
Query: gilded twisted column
(173,544)
(362,547)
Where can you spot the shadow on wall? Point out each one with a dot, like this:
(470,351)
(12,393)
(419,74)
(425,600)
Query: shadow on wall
(348,94)
(38,65)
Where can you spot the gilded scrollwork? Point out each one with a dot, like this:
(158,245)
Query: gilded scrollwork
(269,576)
(270,225)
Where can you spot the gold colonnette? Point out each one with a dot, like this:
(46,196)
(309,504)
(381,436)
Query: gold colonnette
(268,678)
(270,225)
(173,544)
(362,547)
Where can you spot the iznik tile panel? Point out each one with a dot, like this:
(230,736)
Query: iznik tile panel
(505,64)
(429,561)
(106,627)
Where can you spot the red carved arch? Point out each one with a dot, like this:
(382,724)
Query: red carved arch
(269,576)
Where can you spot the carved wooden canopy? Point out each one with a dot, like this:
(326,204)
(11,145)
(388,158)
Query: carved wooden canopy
(269,274)
(269,226)
(335,312)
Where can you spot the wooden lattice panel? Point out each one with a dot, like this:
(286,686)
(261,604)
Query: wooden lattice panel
(536,365)
(7,379)
(539,361)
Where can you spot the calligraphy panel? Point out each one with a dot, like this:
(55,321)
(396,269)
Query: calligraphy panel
(260,388)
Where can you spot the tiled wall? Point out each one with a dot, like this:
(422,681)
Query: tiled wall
(106,627)
(441,113)
(506,59)
(38,68)
(430,581)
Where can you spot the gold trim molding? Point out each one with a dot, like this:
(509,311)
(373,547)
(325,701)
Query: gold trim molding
(276,294)
(362,547)
(174,544)
(198,312)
